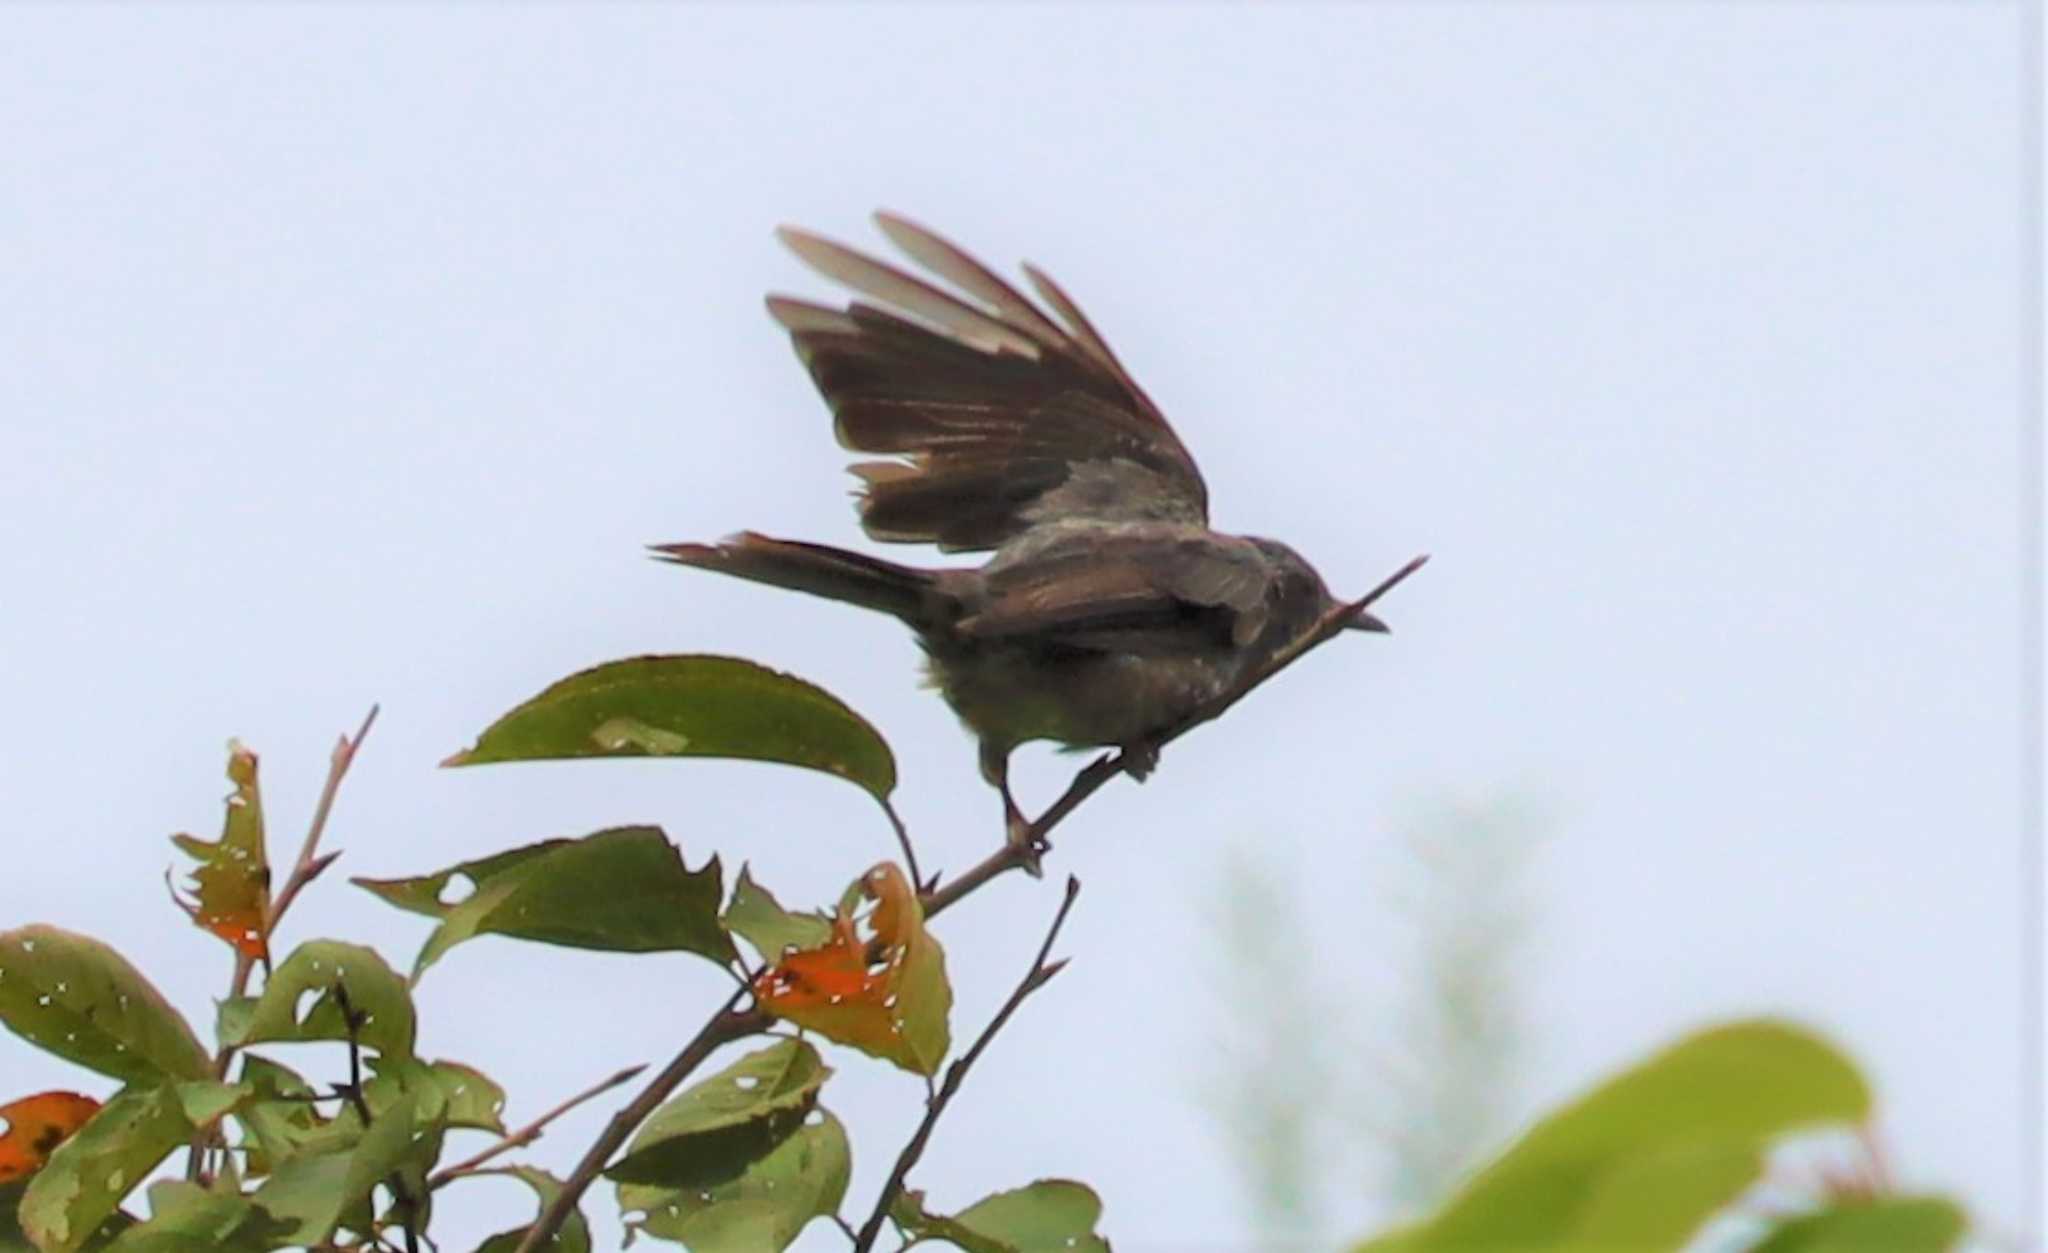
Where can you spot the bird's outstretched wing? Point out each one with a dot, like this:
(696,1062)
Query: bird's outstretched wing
(994,415)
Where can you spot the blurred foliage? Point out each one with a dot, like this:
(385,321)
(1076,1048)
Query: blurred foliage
(1417,1083)
(1647,1159)
(1273,1073)
(1457,1032)
(1670,1154)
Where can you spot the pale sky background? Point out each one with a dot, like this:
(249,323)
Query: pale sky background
(350,355)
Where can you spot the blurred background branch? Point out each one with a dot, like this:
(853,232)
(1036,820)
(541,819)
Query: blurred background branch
(1318,1075)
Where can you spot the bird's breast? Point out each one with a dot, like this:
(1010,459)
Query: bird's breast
(1010,695)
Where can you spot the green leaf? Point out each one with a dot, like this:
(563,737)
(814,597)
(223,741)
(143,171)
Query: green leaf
(574,1236)
(760,1211)
(715,1128)
(14,1240)
(1660,1197)
(186,1218)
(88,1174)
(231,884)
(79,999)
(278,1118)
(314,971)
(691,706)
(203,1101)
(1646,1158)
(624,890)
(468,1098)
(1894,1225)
(1049,1216)
(756,917)
(315,1191)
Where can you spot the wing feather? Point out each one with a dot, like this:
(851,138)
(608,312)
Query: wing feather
(997,417)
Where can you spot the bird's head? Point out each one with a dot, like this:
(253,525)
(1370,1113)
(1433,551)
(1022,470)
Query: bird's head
(1299,594)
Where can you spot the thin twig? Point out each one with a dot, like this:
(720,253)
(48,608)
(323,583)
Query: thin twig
(956,1074)
(530,1132)
(903,839)
(1019,854)
(310,863)
(728,1024)
(407,1204)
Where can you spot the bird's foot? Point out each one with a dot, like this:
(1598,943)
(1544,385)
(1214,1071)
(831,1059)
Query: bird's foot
(1030,846)
(1139,759)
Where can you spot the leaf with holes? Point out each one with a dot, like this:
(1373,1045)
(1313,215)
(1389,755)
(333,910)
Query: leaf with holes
(81,1000)
(758,918)
(82,1184)
(715,1128)
(36,1125)
(625,890)
(880,988)
(187,1218)
(447,1094)
(1047,1215)
(316,1191)
(305,996)
(279,1119)
(691,706)
(231,884)
(760,1211)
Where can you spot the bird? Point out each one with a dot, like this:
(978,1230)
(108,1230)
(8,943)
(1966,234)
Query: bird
(1108,613)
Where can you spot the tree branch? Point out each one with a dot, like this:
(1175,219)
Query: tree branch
(310,864)
(401,1196)
(728,1024)
(530,1132)
(731,1023)
(956,1074)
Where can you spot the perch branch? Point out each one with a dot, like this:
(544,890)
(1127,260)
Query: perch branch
(728,1024)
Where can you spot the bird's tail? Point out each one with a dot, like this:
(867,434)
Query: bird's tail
(834,573)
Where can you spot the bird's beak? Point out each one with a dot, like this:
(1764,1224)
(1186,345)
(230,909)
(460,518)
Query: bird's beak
(1366,622)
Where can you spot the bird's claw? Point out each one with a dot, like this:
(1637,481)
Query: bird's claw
(1139,759)
(1030,847)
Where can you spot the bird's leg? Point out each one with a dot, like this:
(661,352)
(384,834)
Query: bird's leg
(1139,758)
(995,767)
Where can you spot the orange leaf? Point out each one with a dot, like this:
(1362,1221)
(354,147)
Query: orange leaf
(881,989)
(35,1126)
(232,881)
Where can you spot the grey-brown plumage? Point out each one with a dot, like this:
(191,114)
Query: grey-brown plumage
(1110,611)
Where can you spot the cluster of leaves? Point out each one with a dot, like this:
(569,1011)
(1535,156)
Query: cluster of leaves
(742,1160)
(1652,1156)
